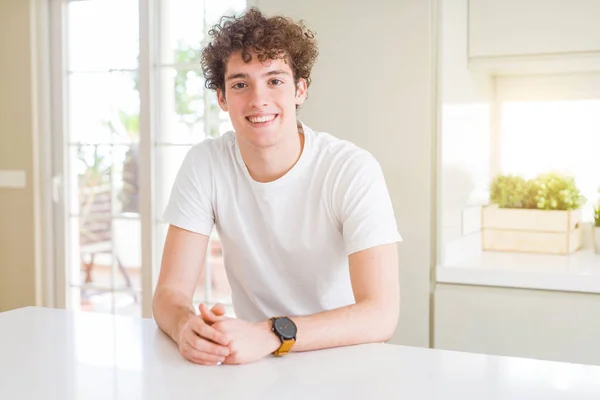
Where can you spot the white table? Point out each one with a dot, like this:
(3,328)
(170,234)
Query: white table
(55,354)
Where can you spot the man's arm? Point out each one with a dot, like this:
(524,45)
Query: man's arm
(376,287)
(183,257)
(375,283)
(373,318)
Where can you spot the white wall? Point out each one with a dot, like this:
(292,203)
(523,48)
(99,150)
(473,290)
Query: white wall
(19,273)
(373,85)
(465,132)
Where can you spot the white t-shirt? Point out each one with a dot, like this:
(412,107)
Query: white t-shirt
(286,243)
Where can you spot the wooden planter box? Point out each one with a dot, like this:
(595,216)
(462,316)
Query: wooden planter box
(531,231)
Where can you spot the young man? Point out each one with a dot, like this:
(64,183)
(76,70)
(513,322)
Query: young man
(305,219)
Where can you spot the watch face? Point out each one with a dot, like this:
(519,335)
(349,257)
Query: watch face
(285,327)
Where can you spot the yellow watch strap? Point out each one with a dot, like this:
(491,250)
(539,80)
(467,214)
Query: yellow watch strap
(285,347)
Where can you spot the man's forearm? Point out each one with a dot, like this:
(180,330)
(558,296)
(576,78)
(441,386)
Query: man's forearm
(364,322)
(171,310)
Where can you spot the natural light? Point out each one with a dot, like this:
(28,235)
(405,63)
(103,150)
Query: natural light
(543,136)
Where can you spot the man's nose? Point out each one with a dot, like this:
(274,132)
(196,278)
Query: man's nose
(259,96)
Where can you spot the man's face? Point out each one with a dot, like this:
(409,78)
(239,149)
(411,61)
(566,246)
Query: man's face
(261,99)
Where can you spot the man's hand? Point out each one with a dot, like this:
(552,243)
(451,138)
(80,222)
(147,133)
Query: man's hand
(248,341)
(201,343)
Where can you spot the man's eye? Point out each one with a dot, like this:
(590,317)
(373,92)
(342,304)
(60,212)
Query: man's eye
(276,82)
(239,85)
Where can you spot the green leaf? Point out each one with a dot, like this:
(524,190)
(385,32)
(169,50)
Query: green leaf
(548,191)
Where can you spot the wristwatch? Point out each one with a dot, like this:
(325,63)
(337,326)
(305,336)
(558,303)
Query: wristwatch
(285,329)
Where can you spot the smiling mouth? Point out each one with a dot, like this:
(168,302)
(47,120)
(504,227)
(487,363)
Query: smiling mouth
(262,120)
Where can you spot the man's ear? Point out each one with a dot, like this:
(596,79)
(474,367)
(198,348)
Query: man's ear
(301,91)
(222,100)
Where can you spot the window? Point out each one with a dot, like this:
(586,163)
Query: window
(525,126)
(552,123)
(114,136)
(503,117)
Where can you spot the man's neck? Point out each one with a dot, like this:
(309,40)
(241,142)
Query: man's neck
(268,165)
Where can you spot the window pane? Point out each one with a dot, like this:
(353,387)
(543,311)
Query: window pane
(97,168)
(184,25)
(563,136)
(127,243)
(104,242)
(168,161)
(125,180)
(90,188)
(92,234)
(104,108)
(182,106)
(103,34)
(184,103)
(93,201)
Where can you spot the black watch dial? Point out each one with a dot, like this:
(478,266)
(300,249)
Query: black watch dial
(285,328)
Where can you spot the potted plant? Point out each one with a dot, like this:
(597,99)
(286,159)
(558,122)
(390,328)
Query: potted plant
(539,215)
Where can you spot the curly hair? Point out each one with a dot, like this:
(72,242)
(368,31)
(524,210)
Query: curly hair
(272,38)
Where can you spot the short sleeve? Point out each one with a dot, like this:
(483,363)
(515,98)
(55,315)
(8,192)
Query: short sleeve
(189,205)
(364,205)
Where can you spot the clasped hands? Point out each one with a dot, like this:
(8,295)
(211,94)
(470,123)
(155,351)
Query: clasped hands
(211,338)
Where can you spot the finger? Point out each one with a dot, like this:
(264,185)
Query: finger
(201,357)
(200,330)
(205,346)
(231,360)
(206,315)
(209,316)
(208,332)
(218,309)
(201,361)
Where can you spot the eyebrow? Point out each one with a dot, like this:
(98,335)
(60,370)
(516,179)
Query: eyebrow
(241,75)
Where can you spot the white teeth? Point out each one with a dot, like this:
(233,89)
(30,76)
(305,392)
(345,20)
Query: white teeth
(265,118)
